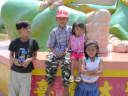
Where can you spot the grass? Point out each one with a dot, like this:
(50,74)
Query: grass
(3,33)
(2,29)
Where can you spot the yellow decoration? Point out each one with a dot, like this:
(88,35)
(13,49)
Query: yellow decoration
(125,2)
(68,1)
(106,73)
(105,89)
(126,90)
(42,87)
(115,73)
(75,73)
(59,71)
(40,72)
(72,89)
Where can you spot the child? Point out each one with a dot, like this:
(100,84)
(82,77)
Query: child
(22,51)
(91,70)
(58,43)
(76,44)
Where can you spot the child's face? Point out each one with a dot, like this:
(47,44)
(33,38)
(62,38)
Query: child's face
(24,33)
(62,21)
(91,51)
(79,31)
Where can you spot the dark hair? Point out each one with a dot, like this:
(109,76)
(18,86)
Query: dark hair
(22,24)
(88,43)
(81,25)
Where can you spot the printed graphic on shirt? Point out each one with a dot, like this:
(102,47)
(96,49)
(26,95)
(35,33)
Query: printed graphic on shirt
(23,54)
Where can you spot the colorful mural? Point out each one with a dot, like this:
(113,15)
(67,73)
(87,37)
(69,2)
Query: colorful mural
(43,19)
(109,84)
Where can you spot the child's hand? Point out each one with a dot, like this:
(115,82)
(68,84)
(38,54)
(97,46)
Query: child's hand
(66,50)
(15,61)
(61,54)
(95,73)
(90,73)
(27,62)
(99,72)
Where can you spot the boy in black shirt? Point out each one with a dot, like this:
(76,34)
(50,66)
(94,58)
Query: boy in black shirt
(22,51)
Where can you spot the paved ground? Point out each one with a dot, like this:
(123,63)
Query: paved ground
(4,48)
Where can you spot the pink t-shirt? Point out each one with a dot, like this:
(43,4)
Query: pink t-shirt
(77,43)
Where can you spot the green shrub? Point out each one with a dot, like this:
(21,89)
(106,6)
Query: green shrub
(2,29)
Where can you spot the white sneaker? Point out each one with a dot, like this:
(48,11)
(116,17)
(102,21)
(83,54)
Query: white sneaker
(78,79)
(71,79)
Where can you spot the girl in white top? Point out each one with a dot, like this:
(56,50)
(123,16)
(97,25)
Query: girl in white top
(90,71)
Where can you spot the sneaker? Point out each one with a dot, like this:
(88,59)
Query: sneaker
(78,79)
(66,84)
(71,79)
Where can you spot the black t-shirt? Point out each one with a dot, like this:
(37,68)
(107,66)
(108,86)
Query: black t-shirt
(22,51)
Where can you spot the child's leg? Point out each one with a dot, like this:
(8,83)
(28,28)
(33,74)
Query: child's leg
(66,71)
(66,91)
(80,62)
(73,61)
(25,84)
(13,84)
(51,69)
(49,89)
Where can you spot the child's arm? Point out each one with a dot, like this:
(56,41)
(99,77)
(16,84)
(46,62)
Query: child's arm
(29,60)
(84,71)
(50,49)
(13,60)
(69,46)
(51,41)
(86,39)
(99,71)
(35,49)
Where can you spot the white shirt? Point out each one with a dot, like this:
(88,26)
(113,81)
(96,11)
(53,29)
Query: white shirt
(91,66)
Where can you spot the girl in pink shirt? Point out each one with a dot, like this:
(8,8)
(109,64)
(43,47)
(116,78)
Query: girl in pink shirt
(76,44)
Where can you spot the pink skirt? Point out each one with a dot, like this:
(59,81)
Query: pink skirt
(75,55)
